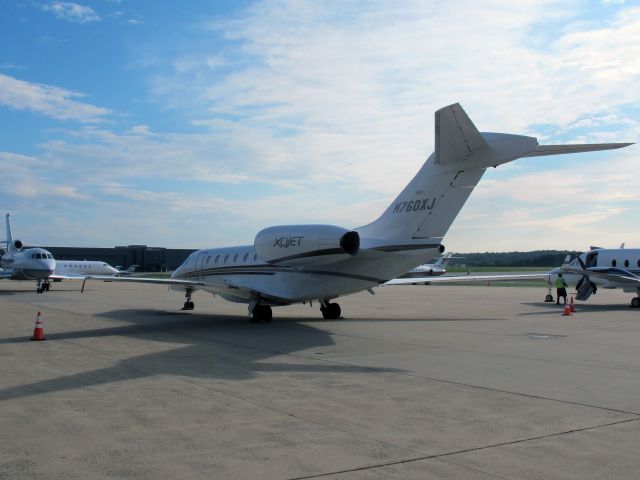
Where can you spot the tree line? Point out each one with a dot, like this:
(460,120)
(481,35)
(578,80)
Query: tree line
(537,258)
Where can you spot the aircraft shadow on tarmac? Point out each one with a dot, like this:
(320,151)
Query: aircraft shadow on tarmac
(215,346)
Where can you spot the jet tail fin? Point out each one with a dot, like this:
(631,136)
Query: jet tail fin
(9,239)
(456,137)
(425,209)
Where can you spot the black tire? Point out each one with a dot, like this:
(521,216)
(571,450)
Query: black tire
(635,302)
(261,314)
(331,312)
(548,298)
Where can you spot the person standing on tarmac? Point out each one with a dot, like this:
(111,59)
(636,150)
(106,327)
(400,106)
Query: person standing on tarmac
(561,285)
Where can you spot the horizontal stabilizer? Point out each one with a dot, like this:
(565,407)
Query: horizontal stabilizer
(543,150)
(456,135)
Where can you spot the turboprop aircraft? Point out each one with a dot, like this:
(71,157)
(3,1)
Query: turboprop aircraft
(606,268)
(301,263)
(26,263)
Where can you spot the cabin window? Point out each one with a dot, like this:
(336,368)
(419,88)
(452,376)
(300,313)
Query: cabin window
(217,258)
(626,264)
(208,258)
(613,263)
(638,263)
(245,258)
(226,257)
(235,258)
(255,258)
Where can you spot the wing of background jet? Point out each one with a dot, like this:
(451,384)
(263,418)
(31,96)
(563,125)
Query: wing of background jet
(5,274)
(68,276)
(468,278)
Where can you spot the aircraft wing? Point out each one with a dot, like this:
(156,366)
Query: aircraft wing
(613,275)
(68,276)
(4,274)
(160,281)
(468,278)
(222,288)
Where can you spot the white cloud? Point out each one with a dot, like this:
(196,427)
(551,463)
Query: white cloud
(47,100)
(72,12)
(323,111)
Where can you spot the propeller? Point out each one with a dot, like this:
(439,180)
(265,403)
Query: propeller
(585,286)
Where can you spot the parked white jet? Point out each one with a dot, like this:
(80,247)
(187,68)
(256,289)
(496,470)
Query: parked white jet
(299,263)
(430,269)
(70,269)
(606,268)
(20,263)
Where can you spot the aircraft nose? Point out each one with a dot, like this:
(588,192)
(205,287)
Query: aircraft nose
(48,266)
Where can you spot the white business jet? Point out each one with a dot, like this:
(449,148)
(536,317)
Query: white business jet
(300,263)
(26,263)
(431,269)
(78,269)
(606,268)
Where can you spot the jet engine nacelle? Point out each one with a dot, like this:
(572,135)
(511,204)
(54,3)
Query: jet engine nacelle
(305,244)
(18,244)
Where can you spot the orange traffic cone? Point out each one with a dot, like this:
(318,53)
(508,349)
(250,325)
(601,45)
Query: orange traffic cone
(572,306)
(567,310)
(38,331)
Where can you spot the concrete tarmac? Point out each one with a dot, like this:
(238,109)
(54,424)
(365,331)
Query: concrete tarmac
(416,382)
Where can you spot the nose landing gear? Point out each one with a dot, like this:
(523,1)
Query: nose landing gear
(43,286)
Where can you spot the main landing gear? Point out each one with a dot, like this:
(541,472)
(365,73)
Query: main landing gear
(261,314)
(330,311)
(188,304)
(635,301)
(43,286)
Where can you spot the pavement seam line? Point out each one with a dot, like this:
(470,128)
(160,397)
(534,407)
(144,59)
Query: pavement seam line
(467,450)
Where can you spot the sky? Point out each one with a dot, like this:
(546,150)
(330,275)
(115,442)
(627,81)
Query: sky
(196,124)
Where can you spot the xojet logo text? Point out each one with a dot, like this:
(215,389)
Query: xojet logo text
(286,242)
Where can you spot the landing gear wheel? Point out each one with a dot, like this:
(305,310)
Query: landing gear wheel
(261,314)
(188,305)
(548,298)
(45,287)
(39,290)
(331,311)
(635,302)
